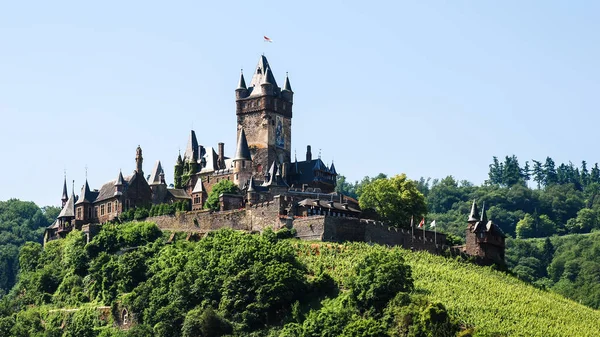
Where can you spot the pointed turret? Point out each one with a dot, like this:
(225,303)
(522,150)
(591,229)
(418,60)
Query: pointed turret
(286,85)
(156,172)
(120,180)
(86,194)
(242,151)
(198,188)
(262,75)
(474,216)
(191,152)
(484,218)
(65,195)
(242,82)
(332,169)
(251,185)
(68,210)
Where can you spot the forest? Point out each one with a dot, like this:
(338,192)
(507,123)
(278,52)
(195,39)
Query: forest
(529,201)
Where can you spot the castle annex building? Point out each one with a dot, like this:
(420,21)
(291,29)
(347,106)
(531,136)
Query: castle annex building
(275,190)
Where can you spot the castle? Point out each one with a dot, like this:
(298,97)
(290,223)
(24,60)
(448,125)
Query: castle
(274,190)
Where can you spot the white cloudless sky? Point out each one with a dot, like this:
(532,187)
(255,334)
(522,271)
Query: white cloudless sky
(426,88)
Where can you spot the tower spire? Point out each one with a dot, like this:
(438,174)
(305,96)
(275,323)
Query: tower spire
(484,218)
(286,85)
(65,195)
(139,160)
(242,82)
(474,216)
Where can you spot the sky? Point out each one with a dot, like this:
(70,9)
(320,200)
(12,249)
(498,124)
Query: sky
(426,88)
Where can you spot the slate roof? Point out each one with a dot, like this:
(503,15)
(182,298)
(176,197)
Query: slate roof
(262,74)
(474,216)
(303,172)
(275,178)
(155,176)
(87,196)
(242,149)
(242,82)
(327,204)
(69,209)
(178,193)
(54,225)
(65,195)
(198,188)
(107,190)
(191,152)
(287,85)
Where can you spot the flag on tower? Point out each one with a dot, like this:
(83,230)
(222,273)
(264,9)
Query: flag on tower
(267,39)
(432,225)
(422,223)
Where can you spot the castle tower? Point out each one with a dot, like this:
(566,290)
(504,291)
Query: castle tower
(83,206)
(264,111)
(138,161)
(242,162)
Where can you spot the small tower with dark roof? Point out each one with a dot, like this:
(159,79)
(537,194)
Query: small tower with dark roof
(241,91)
(242,161)
(484,239)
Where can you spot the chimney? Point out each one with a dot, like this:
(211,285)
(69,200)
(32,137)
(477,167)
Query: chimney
(221,155)
(308,153)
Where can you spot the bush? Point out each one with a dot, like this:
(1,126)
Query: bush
(205,323)
(379,276)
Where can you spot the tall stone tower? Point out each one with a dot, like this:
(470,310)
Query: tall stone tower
(264,112)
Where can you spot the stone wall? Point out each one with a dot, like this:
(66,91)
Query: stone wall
(255,218)
(341,229)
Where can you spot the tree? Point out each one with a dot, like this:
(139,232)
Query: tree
(380,275)
(550,172)
(223,186)
(346,188)
(511,174)
(538,173)
(395,199)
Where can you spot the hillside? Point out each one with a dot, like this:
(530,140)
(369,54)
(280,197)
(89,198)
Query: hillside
(232,283)
(479,297)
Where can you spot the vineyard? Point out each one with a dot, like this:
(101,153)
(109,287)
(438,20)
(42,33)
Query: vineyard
(490,301)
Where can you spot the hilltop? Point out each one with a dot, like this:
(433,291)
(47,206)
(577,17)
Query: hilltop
(269,285)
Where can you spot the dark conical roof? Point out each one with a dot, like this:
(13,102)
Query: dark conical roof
(251,185)
(242,83)
(65,195)
(484,218)
(242,151)
(119,179)
(86,194)
(268,79)
(332,169)
(286,85)
(474,216)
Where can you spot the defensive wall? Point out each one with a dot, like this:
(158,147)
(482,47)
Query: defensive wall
(318,227)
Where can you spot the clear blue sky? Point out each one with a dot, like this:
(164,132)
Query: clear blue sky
(429,88)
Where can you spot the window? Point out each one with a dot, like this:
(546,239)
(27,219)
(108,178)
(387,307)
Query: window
(109,208)
(236,176)
(116,206)
(96,212)
(79,213)
(101,210)
(89,212)
(243,164)
(127,204)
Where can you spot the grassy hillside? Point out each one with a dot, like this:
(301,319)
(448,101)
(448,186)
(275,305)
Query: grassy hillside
(479,297)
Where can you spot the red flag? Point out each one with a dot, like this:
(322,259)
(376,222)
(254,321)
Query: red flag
(267,39)
(422,223)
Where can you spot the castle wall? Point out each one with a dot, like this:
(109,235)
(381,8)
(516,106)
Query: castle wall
(256,218)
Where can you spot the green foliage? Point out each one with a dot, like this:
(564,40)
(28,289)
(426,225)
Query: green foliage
(395,199)
(223,186)
(379,276)
(20,222)
(207,322)
(168,209)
